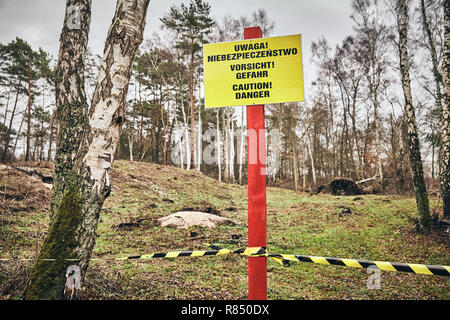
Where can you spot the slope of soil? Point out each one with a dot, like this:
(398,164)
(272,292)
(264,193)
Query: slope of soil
(376,228)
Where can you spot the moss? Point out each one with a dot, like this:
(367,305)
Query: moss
(48,277)
(72,121)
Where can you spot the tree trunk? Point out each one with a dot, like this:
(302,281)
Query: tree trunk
(28,141)
(3,133)
(355,133)
(374,82)
(401,153)
(6,110)
(445,157)
(71,102)
(433,54)
(186,140)
(130,145)
(313,169)
(141,124)
(199,141)
(18,135)
(8,134)
(165,127)
(304,167)
(413,138)
(377,124)
(180,143)
(41,147)
(169,131)
(72,231)
(294,159)
(50,142)
(191,95)
(226,145)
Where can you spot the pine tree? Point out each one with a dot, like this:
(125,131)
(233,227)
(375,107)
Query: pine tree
(192,24)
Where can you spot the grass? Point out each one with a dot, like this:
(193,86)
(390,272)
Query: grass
(379,228)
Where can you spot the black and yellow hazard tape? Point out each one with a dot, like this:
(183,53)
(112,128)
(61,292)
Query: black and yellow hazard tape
(216,251)
(356,263)
(177,254)
(284,259)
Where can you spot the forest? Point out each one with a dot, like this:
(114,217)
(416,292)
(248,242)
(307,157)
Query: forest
(376,111)
(352,124)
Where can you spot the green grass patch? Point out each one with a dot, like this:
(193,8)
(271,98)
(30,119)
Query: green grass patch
(378,228)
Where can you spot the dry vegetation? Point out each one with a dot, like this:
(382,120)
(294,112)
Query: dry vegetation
(377,227)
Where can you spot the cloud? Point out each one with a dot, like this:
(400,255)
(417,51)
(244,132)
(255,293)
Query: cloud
(40,22)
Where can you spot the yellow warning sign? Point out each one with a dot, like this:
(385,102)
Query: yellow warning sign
(252,72)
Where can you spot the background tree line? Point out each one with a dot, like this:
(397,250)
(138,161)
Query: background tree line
(353,124)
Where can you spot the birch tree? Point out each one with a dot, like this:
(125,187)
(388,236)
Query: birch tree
(72,231)
(413,137)
(71,103)
(431,46)
(445,158)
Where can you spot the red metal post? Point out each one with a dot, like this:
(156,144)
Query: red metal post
(257,211)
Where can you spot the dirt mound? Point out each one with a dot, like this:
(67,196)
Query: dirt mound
(341,187)
(186,219)
(22,189)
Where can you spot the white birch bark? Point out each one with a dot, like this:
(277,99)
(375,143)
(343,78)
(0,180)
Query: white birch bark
(70,95)
(130,145)
(107,113)
(72,232)
(413,137)
(180,144)
(186,139)
(445,124)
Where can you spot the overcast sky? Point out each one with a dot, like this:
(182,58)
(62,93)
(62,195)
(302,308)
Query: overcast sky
(40,21)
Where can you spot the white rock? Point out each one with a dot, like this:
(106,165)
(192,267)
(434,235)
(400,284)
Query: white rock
(186,219)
